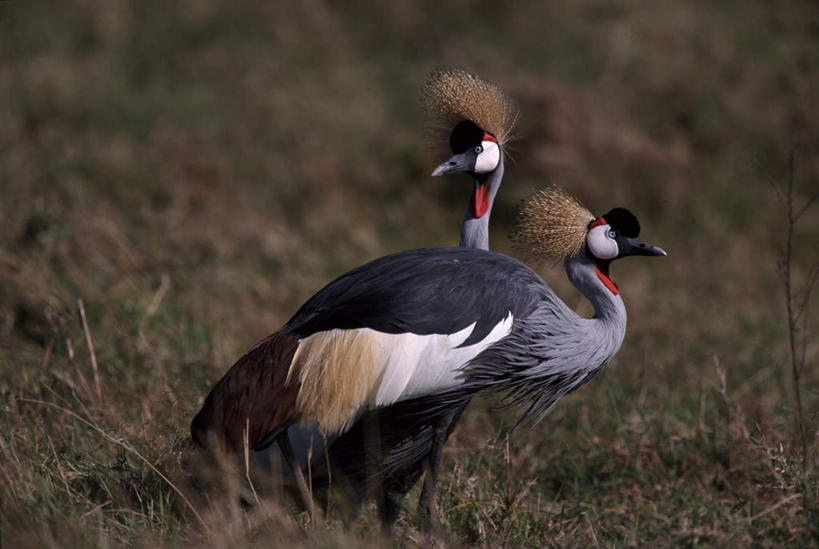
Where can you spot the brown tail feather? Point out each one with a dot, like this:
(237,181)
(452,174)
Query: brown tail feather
(254,390)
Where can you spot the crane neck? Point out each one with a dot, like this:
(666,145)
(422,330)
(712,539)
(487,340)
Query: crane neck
(553,351)
(582,270)
(475,228)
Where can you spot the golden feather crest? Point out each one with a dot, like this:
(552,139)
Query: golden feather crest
(451,96)
(553,224)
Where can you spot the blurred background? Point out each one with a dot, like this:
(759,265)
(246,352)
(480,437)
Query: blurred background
(193,171)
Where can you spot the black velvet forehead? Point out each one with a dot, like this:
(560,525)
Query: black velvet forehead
(465,136)
(623,221)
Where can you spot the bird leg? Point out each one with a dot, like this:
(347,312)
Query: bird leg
(440,434)
(283,440)
(426,503)
(389,506)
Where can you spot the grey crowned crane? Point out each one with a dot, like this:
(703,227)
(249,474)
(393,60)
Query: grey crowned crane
(476,118)
(407,338)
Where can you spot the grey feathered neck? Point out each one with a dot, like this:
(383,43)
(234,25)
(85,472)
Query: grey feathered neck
(581,270)
(554,351)
(475,230)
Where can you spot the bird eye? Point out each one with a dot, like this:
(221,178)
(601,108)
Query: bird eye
(478,149)
(612,234)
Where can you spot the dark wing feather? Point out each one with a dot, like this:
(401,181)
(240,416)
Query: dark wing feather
(426,291)
(253,393)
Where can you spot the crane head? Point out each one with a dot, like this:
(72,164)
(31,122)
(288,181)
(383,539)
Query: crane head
(614,235)
(474,151)
(476,115)
(555,225)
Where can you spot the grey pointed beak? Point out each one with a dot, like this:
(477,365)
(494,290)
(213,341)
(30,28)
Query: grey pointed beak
(462,162)
(635,246)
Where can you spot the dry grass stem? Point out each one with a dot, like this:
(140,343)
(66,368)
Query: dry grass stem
(90,343)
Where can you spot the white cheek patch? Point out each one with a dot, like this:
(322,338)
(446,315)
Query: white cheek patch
(600,245)
(489,158)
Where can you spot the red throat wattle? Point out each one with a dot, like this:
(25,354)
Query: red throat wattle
(480,200)
(603,275)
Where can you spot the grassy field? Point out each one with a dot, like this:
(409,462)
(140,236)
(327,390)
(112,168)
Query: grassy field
(192,173)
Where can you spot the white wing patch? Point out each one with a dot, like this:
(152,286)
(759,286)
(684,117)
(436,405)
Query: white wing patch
(343,372)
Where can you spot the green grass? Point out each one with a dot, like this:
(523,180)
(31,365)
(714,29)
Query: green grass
(193,173)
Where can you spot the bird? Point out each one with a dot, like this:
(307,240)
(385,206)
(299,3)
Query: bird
(475,118)
(417,333)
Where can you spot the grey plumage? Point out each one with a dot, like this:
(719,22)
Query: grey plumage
(554,351)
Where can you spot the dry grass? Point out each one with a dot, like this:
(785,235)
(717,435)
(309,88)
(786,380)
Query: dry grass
(192,174)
